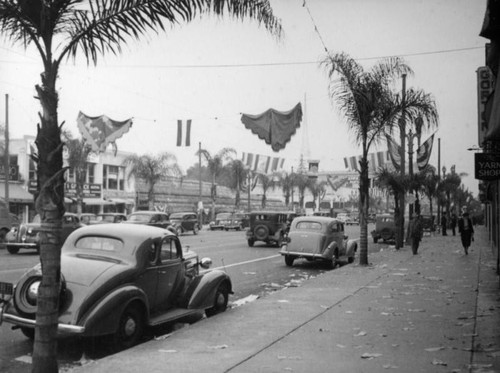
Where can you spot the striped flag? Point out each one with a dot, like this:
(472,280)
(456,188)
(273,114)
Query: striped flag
(187,137)
(262,164)
(424,153)
(394,149)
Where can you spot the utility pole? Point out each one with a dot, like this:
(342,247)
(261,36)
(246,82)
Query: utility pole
(6,156)
(200,203)
(402,132)
(439,180)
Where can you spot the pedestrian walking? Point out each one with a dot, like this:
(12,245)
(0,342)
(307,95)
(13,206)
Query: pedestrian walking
(453,224)
(443,225)
(416,233)
(466,230)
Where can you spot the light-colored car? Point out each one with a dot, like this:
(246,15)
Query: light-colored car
(118,280)
(318,238)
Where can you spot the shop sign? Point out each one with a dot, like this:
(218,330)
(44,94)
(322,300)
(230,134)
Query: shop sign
(487,166)
(89,190)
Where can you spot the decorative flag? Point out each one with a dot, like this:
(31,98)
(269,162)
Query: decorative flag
(262,164)
(394,152)
(424,153)
(274,127)
(101,131)
(188,133)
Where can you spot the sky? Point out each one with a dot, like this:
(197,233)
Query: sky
(212,70)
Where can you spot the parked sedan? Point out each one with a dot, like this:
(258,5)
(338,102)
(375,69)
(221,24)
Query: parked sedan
(318,238)
(116,281)
(27,236)
(184,222)
(152,218)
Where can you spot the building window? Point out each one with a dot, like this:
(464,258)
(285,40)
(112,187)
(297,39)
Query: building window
(113,177)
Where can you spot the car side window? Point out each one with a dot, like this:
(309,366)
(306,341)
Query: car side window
(170,249)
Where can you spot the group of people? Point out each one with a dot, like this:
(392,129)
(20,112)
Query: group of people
(465,229)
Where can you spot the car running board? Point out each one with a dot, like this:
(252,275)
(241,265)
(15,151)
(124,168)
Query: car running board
(172,315)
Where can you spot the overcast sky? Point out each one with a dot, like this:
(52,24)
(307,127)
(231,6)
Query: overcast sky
(212,70)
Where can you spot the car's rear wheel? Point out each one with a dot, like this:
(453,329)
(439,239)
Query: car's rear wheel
(130,328)
(220,301)
(261,232)
(12,249)
(289,260)
(375,239)
(28,333)
(250,241)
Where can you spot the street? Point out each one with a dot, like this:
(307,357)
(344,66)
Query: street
(254,272)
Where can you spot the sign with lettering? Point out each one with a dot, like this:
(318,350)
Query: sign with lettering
(487,166)
(89,190)
(484,89)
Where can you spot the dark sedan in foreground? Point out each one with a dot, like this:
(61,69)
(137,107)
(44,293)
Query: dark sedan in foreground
(118,279)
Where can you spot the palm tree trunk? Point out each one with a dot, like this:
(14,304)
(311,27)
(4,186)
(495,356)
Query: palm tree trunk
(49,204)
(363,213)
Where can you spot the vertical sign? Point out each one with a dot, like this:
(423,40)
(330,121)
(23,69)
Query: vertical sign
(484,89)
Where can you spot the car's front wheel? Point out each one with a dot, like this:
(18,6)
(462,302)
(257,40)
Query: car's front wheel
(250,241)
(289,260)
(130,328)
(12,249)
(220,301)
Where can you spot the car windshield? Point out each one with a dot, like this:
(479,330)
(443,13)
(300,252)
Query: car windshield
(309,226)
(99,243)
(176,216)
(106,218)
(144,218)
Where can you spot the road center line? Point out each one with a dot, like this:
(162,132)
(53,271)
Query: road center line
(247,262)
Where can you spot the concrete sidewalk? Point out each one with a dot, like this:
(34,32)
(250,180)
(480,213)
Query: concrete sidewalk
(438,311)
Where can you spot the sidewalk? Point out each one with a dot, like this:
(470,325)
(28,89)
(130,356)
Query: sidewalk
(438,311)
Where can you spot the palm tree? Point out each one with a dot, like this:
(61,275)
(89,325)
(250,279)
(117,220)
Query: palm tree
(318,191)
(430,187)
(266,182)
(216,164)
(302,182)
(151,169)
(78,152)
(286,183)
(363,97)
(63,29)
(238,174)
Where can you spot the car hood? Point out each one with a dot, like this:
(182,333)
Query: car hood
(307,242)
(85,269)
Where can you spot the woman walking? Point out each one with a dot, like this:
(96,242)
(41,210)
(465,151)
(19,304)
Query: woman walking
(466,230)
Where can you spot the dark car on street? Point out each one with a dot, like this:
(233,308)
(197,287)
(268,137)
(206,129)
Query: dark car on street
(221,220)
(185,222)
(318,238)
(385,228)
(27,235)
(152,218)
(270,227)
(118,280)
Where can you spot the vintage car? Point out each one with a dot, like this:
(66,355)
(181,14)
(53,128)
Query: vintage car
(109,217)
(185,222)
(88,218)
(237,221)
(270,227)
(221,220)
(26,236)
(117,280)
(152,218)
(318,238)
(385,228)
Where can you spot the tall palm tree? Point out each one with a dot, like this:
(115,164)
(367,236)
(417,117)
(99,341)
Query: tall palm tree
(78,152)
(150,169)
(62,29)
(318,191)
(266,182)
(216,164)
(363,97)
(286,184)
(430,187)
(396,184)
(238,175)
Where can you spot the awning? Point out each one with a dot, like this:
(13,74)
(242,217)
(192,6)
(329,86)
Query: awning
(122,201)
(96,201)
(17,193)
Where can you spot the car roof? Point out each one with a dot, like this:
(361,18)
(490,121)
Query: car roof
(148,212)
(126,233)
(320,219)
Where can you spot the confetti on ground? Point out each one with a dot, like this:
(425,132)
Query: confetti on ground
(434,349)
(368,355)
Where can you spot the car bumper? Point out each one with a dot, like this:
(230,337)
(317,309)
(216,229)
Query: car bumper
(23,244)
(24,322)
(311,256)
